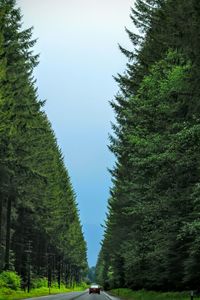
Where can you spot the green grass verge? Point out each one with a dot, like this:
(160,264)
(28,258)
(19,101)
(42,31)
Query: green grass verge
(128,294)
(43,291)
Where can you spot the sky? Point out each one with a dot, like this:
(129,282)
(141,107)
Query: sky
(78,45)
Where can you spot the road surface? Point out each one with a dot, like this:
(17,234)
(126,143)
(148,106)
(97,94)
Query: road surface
(76,295)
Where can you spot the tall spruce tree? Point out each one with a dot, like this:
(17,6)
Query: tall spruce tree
(38,208)
(151,232)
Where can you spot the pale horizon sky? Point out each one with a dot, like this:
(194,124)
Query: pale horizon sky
(78,46)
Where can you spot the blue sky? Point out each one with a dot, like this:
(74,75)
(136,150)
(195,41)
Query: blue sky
(78,46)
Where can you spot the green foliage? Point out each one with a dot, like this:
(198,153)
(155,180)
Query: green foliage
(40,230)
(128,294)
(152,146)
(91,274)
(10,280)
(39,282)
(152,231)
(6,294)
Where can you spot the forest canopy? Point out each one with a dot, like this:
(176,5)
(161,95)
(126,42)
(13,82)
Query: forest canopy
(40,230)
(151,237)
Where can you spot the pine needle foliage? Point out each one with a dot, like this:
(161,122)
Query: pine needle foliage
(151,235)
(40,230)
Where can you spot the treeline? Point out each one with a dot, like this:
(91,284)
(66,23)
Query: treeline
(40,231)
(152,233)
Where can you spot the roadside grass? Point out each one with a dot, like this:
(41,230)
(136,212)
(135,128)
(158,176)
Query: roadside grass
(7,294)
(128,294)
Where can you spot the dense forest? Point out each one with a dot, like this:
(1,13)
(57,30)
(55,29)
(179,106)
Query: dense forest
(40,230)
(152,231)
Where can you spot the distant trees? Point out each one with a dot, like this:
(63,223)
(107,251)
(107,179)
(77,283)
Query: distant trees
(152,232)
(40,231)
(91,274)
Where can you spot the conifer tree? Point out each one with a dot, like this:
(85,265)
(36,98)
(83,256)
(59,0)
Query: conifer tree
(150,241)
(38,208)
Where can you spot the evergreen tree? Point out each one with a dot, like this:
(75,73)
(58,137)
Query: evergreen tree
(38,209)
(151,233)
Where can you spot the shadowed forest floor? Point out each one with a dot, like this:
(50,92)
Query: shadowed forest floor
(128,294)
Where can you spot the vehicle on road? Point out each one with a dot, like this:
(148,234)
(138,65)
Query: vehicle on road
(94,288)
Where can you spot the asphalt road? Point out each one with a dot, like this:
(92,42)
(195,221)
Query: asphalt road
(76,296)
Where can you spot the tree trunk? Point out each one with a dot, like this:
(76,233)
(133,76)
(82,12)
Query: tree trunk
(8,227)
(1,218)
(59,272)
(1,238)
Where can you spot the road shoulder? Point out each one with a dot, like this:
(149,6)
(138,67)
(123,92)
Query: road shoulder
(110,297)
